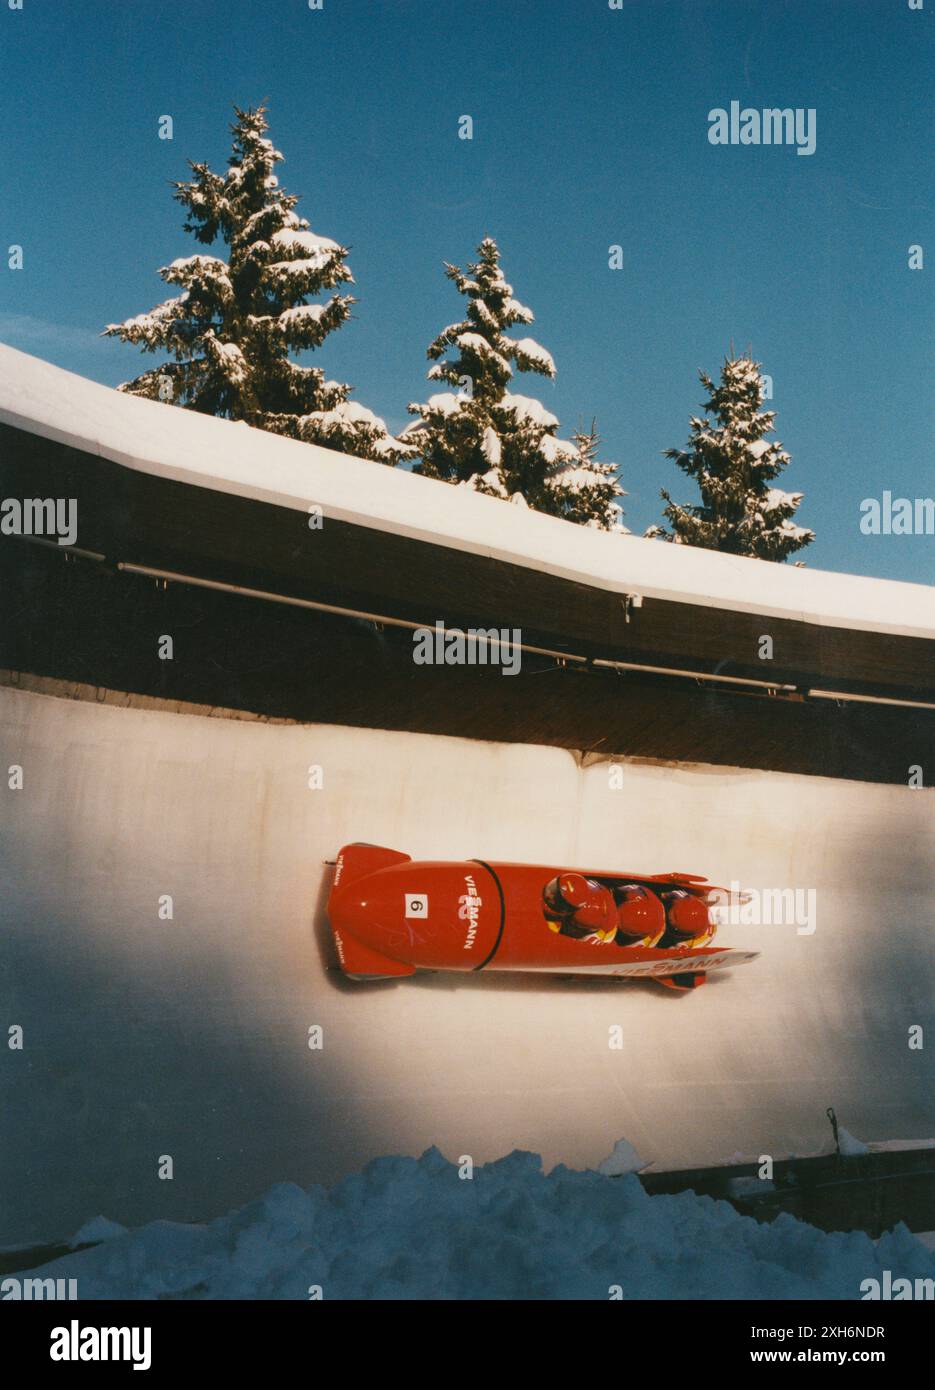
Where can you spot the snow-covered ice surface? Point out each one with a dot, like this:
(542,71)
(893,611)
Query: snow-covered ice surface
(413,1228)
(171,442)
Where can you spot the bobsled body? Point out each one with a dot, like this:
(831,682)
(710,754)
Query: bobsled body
(392,915)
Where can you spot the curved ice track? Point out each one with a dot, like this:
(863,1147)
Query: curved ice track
(188,1037)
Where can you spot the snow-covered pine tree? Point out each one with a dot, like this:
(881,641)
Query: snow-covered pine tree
(482,435)
(733,465)
(585,488)
(232,331)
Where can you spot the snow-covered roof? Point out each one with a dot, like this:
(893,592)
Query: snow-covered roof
(170,442)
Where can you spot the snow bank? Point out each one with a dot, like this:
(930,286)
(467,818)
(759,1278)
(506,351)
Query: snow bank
(412,1228)
(168,441)
(624,1159)
(850,1146)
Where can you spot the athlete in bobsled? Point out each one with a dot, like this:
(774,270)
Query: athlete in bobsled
(625,914)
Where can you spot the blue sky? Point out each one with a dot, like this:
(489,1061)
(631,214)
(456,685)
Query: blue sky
(590,129)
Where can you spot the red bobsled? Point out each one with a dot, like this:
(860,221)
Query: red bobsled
(392,915)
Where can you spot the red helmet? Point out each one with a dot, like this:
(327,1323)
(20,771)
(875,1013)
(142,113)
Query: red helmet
(587,904)
(640,915)
(687,915)
(574,889)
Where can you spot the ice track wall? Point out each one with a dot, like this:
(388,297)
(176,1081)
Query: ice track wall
(188,1037)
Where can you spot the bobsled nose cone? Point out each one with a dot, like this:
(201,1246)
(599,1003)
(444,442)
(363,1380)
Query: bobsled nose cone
(357,913)
(367,948)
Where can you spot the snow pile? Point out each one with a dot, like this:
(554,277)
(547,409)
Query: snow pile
(99,1228)
(849,1146)
(414,1228)
(624,1159)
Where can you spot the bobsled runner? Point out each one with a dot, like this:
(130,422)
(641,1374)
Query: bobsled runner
(391,915)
